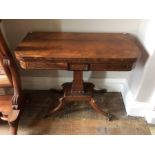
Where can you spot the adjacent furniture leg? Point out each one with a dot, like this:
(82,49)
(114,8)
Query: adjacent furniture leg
(14,126)
(13,121)
(13,117)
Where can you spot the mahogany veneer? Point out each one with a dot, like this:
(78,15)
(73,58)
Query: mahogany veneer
(78,52)
(97,51)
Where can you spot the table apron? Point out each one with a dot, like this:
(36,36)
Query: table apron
(107,66)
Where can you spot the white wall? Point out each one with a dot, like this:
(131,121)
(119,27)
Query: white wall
(147,86)
(142,79)
(143,74)
(136,76)
(17,29)
(147,36)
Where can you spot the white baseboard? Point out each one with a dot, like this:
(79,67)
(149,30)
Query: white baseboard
(136,108)
(133,108)
(45,83)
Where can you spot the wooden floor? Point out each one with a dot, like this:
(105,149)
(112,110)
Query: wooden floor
(76,118)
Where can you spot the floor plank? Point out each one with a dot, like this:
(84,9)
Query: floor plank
(77,118)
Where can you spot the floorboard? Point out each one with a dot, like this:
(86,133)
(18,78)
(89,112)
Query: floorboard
(76,118)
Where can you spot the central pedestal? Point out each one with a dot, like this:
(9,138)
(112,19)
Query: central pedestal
(79,91)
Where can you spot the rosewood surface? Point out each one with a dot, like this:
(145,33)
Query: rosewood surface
(94,51)
(78,52)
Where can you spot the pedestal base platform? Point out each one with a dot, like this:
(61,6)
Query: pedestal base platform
(85,95)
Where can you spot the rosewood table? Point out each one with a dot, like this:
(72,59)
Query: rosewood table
(78,52)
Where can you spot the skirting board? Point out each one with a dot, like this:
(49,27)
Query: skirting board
(45,83)
(133,108)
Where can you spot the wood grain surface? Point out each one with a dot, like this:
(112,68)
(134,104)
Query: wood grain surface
(87,48)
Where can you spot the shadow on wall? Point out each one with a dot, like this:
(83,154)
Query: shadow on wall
(148,85)
(135,78)
(98,74)
(19,29)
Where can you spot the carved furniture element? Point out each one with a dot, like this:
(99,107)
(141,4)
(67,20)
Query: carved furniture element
(10,105)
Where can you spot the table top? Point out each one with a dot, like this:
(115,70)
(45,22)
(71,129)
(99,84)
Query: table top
(77,47)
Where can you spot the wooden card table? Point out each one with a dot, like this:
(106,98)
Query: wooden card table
(78,52)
